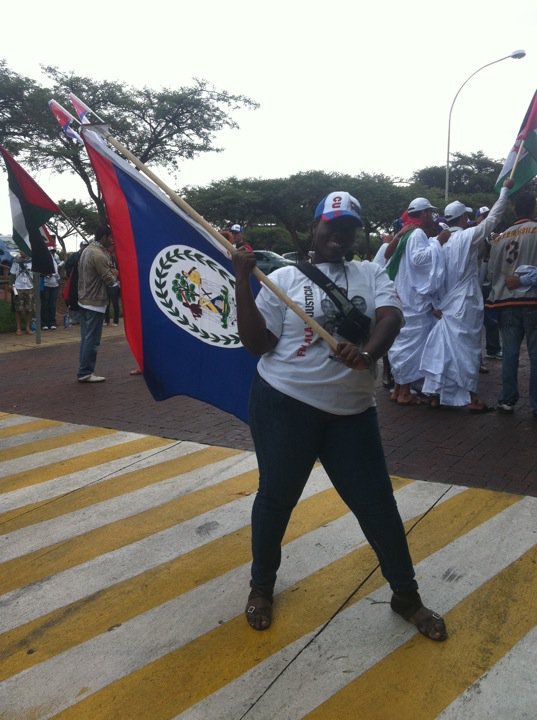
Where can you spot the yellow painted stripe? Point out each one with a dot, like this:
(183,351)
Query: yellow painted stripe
(30,426)
(68,626)
(33,476)
(117,485)
(53,443)
(66,554)
(4,415)
(483,628)
(171,684)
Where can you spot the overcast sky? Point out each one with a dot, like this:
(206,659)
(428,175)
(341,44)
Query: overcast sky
(347,86)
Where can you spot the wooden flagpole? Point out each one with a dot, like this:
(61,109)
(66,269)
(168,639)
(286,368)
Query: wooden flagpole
(77,230)
(177,200)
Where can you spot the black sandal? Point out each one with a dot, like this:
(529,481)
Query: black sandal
(259,607)
(411,608)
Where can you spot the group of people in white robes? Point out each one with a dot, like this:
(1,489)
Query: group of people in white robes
(436,275)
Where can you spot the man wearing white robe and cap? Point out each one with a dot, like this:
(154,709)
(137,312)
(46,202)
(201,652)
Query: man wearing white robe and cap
(416,268)
(452,354)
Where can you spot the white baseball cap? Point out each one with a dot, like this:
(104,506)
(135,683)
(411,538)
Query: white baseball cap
(338,204)
(482,211)
(420,204)
(236,228)
(455,210)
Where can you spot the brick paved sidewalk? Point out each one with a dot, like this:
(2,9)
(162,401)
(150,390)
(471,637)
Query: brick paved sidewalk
(492,451)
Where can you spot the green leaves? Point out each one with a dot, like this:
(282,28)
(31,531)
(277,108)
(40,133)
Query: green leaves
(161,126)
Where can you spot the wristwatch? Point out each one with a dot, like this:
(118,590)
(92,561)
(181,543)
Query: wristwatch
(366,357)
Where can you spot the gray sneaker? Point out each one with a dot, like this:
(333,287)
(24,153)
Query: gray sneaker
(91,379)
(505,407)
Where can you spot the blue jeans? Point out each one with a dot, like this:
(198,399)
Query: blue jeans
(91,327)
(289,436)
(515,323)
(492,330)
(49,298)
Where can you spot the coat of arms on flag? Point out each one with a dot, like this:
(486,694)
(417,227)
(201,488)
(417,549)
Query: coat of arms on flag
(197,293)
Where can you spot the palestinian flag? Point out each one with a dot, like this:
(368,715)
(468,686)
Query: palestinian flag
(526,144)
(31,207)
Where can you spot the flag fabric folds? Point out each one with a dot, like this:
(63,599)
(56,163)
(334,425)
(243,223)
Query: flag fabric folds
(177,289)
(526,168)
(81,108)
(31,207)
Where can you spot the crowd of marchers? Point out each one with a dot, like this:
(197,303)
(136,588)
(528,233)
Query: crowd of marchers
(456,278)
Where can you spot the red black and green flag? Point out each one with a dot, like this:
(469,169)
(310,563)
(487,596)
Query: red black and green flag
(31,208)
(521,163)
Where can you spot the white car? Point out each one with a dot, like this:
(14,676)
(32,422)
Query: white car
(267,261)
(294,256)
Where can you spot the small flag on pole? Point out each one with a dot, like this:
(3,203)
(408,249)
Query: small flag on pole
(521,163)
(65,119)
(178,290)
(82,109)
(31,208)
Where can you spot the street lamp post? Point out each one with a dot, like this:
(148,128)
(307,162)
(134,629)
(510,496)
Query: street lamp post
(516,55)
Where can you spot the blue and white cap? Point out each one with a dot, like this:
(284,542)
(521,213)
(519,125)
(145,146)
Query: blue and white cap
(338,204)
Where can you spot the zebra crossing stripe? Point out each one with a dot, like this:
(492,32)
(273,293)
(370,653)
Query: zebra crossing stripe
(482,636)
(53,443)
(82,460)
(87,617)
(28,427)
(183,677)
(113,487)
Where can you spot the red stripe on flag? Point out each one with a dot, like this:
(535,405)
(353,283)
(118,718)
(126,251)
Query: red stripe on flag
(530,121)
(120,223)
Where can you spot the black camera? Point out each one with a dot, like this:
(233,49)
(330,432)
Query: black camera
(354,326)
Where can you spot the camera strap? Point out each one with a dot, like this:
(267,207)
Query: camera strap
(338,297)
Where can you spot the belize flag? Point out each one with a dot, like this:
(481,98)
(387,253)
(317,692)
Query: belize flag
(177,288)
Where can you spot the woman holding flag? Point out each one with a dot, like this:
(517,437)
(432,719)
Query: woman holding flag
(310,403)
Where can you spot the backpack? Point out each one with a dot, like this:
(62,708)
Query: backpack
(70,290)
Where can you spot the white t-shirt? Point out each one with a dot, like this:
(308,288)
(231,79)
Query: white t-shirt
(380,257)
(23,275)
(302,365)
(53,280)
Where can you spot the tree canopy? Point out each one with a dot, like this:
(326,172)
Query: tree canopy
(277,213)
(468,174)
(163,126)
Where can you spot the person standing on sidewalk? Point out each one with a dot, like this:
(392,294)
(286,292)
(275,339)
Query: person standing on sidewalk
(516,302)
(51,288)
(417,269)
(22,288)
(308,402)
(95,275)
(451,356)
